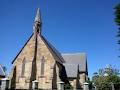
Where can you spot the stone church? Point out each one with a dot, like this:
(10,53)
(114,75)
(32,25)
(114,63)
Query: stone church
(38,61)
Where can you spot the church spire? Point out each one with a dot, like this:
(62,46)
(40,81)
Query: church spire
(37,22)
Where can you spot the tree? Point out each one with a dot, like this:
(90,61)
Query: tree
(107,77)
(4,68)
(67,86)
(117,14)
(90,84)
(117,19)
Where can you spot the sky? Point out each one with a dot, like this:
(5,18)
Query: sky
(72,26)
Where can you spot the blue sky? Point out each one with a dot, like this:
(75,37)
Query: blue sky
(70,25)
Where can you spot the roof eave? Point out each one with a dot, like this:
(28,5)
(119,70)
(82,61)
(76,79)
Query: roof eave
(22,48)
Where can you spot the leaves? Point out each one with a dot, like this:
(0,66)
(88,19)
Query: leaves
(117,19)
(103,82)
(117,14)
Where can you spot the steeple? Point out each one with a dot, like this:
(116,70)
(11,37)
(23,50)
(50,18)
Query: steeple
(37,22)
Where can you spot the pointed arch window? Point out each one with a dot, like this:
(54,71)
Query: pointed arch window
(42,66)
(23,67)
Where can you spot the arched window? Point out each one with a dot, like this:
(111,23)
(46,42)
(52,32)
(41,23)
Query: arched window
(42,66)
(23,67)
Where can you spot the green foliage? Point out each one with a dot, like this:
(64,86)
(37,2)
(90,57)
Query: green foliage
(104,82)
(117,14)
(68,86)
(106,77)
(90,84)
(117,19)
(109,70)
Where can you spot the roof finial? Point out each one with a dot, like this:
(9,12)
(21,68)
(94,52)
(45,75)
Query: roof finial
(38,16)
(37,22)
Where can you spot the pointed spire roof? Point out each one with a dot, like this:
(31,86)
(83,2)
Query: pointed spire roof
(37,23)
(37,33)
(38,16)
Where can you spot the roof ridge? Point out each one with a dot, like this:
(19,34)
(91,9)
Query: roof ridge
(54,50)
(22,48)
(74,53)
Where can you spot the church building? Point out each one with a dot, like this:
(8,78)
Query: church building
(39,61)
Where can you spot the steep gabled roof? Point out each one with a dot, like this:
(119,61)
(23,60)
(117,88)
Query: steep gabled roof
(22,48)
(50,46)
(36,32)
(54,50)
(2,72)
(71,70)
(72,61)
